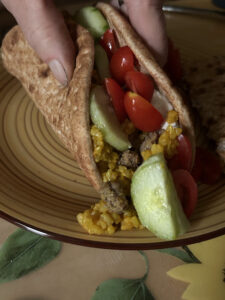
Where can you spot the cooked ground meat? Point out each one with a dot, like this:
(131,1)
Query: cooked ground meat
(130,159)
(149,139)
(114,197)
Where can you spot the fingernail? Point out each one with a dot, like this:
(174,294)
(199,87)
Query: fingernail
(58,71)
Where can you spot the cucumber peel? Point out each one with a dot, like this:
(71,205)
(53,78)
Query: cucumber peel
(93,20)
(102,63)
(104,117)
(155,199)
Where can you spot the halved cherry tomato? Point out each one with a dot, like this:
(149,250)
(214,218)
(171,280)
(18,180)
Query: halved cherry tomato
(183,158)
(173,65)
(140,83)
(109,43)
(142,113)
(122,61)
(117,96)
(207,168)
(198,166)
(187,190)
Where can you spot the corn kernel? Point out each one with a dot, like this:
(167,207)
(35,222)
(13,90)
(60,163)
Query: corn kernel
(126,224)
(107,218)
(110,175)
(117,218)
(157,149)
(98,220)
(172,117)
(146,154)
(111,229)
(128,173)
(128,127)
(164,138)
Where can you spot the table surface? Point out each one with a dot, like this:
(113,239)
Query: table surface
(77,271)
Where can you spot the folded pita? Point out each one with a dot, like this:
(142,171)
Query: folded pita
(66,109)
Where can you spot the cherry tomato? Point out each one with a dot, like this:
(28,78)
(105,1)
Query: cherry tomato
(183,158)
(207,168)
(109,43)
(142,113)
(173,65)
(198,166)
(117,96)
(140,83)
(187,190)
(122,61)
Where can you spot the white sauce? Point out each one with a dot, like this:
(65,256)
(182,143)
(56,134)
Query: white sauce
(162,104)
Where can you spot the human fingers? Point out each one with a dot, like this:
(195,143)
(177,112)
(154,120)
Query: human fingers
(45,29)
(147,18)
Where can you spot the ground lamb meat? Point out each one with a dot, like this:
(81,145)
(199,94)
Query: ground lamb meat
(130,159)
(149,139)
(114,197)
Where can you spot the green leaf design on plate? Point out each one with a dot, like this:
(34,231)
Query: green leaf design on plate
(124,289)
(186,255)
(23,252)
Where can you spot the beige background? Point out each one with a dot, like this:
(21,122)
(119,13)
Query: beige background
(77,271)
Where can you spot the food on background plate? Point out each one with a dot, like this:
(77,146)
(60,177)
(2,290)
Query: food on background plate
(121,120)
(205,82)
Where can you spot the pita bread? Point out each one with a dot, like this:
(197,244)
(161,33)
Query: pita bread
(66,109)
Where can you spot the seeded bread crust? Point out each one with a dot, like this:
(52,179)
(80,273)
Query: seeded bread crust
(66,109)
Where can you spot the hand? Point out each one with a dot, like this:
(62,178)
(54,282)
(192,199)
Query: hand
(45,30)
(147,18)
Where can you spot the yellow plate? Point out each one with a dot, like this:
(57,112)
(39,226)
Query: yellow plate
(42,188)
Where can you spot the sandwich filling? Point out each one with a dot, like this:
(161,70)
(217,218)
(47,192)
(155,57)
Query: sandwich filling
(155,133)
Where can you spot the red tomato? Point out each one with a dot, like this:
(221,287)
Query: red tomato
(142,113)
(183,158)
(117,96)
(187,190)
(140,83)
(198,166)
(207,168)
(109,43)
(122,61)
(173,65)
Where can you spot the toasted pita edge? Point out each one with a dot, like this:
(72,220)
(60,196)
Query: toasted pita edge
(66,109)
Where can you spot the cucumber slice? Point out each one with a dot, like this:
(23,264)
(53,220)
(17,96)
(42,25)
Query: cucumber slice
(103,116)
(93,20)
(155,199)
(151,159)
(102,62)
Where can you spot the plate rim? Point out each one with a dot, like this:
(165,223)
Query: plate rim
(113,246)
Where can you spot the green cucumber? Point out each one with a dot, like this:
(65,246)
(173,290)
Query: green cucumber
(93,20)
(155,199)
(104,117)
(102,62)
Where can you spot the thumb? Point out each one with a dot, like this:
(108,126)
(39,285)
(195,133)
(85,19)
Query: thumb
(46,32)
(148,19)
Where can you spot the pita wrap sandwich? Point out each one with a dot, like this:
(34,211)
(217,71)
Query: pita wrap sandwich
(123,162)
